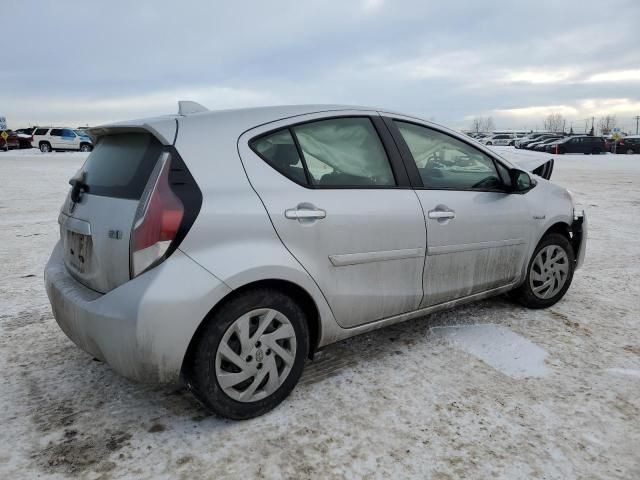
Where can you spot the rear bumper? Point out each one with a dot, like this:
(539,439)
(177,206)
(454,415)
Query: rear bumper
(142,329)
(579,237)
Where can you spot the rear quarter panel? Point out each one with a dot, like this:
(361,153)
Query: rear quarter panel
(233,237)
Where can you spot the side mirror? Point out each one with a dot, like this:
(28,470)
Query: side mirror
(521,181)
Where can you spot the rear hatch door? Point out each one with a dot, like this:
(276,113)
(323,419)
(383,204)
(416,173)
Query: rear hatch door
(97,217)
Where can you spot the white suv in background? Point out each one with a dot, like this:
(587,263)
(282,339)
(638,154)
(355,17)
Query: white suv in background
(48,139)
(499,139)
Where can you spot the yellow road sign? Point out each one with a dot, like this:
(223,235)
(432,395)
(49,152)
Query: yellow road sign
(4,135)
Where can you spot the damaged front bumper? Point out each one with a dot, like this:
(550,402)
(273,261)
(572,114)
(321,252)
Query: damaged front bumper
(579,237)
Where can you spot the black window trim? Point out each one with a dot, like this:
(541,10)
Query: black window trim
(412,168)
(394,157)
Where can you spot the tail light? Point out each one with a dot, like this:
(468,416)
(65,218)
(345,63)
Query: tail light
(157,221)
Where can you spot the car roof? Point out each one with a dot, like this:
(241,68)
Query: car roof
(240,119)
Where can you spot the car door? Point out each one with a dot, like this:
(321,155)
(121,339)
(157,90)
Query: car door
(55,137)
(477,233)
(68,140)
(341,203)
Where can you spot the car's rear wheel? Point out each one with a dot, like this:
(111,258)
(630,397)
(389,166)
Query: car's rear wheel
(630,151)
(249,355)
(85,147)
(549,273)
(45,147)
(596,151)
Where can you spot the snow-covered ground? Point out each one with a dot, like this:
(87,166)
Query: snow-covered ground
(489,390)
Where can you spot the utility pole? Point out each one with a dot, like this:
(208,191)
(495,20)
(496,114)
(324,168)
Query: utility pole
(637,118)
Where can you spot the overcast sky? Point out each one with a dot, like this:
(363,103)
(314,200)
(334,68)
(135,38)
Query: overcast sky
(87,62)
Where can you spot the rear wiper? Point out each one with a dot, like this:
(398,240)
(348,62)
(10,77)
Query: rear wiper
(78,186)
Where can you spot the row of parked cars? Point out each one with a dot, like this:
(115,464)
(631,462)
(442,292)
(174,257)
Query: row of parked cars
(559,143)
(48,139)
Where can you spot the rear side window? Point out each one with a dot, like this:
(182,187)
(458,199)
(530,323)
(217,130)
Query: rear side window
(41,131)
(120,165)
(279,150)
(344,152)
(332,153)
(56,132)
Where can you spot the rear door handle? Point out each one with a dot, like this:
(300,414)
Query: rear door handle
(438,214)
(303,214)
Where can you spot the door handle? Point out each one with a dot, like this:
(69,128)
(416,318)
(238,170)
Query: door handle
(439,214)
(304,214)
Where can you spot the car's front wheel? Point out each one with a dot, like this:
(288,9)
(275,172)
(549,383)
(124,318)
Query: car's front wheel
(45,147)
(249,355)
(549,273)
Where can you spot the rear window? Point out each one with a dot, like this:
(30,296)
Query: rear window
(120,165)
(41,131)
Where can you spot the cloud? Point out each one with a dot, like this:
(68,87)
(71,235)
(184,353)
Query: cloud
(371,6)
(92,61)
(616,76)
(540,76)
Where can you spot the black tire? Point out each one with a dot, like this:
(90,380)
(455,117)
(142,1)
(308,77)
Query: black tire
(524,293)
(45,147)
(200,371)
(85,147)
(489,143)
(630,151)
(596,151)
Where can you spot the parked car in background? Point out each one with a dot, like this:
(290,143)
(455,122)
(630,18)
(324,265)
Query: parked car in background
(609,143)
(530,144)
(541,145)
(629,144)
(152,276)
(49,139)
(578,144)
(499,139)
(531,137)
(12,141)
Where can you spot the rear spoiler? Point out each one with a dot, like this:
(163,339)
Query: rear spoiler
(163,128)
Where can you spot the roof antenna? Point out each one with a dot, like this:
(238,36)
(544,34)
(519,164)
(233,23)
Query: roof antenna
(186,107)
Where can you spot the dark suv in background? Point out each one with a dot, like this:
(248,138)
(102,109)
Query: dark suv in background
(626,145)
(578,144)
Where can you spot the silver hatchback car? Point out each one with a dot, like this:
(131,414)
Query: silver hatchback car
(224,248)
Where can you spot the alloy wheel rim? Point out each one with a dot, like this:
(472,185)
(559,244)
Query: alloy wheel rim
(256,355)
(549,271)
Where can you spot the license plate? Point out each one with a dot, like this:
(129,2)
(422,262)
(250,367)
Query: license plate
(78,250)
